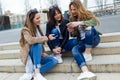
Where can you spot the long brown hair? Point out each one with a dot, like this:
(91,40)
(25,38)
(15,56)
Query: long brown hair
(83,13)
(30,25)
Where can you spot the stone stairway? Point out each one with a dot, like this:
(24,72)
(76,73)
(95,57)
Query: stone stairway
(105,63)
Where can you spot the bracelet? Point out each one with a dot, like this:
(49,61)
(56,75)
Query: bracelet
(48,36)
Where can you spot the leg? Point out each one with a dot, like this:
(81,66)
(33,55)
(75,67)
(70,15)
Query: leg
(77,53)
(29,66)
(78,56)
(33,63)
(55,42)
(92,39)
(35,54)
(96,38)
(89,41)
(70,44)
(47,62)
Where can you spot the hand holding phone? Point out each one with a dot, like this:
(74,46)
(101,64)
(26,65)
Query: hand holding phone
(51,37)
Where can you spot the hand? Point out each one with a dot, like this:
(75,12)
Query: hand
(88,28)
(75,24)
(44,54)
(57,50)
(51,37)
(70,29)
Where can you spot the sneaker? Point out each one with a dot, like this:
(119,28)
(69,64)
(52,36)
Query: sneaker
(58,57)
(38,76)
(88,57)
(26,76)
(87,75)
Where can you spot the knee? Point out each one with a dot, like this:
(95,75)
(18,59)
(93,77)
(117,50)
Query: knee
(75,51)
(54,31)
(74,41)
(78,49)
(89,33)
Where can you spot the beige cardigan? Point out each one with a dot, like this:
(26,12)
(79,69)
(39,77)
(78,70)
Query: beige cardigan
(29,40)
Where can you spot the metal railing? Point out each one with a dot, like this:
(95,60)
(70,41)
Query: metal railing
(106,10)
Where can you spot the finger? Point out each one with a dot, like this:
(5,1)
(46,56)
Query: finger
(68,24)
(52,34)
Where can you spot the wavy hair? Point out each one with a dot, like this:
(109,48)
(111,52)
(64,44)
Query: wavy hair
(83,13)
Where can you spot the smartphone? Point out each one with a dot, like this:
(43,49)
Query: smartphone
(55,35)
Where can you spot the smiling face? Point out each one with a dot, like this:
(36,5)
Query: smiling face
(36,19)
(57,15)
(73,10)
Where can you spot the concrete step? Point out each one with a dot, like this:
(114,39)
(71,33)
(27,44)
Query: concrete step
(108,37)
(62,76)
(10,54)
(102,49)
(107,48)
(9,46)
(100,63)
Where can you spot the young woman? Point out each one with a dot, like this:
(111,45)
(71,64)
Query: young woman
(57,25)
(82,25)
(31,43)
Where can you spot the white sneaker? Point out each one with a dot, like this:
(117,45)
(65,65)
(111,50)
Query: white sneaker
(39,77)
(26,76)
(87,75)
(88,57)
(58,57)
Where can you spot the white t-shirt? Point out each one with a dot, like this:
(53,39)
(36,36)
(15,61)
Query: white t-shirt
(82,32)
(57,27)
(37,33)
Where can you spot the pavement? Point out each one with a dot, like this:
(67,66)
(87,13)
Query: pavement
(62,76)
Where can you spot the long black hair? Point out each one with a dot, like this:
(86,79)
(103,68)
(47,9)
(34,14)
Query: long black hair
(51,14)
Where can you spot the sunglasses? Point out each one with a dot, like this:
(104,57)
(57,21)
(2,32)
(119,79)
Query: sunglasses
(54,6)
(33,10)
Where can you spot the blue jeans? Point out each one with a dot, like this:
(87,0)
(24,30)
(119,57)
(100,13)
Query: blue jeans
(35,60)
(92,39)
(77,54)
(68,46)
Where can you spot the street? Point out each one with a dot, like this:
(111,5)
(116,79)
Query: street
(108,24)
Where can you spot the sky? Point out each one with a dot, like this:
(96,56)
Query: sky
(17,6)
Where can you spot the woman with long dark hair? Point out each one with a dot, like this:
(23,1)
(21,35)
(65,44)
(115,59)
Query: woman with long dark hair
(57,25)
